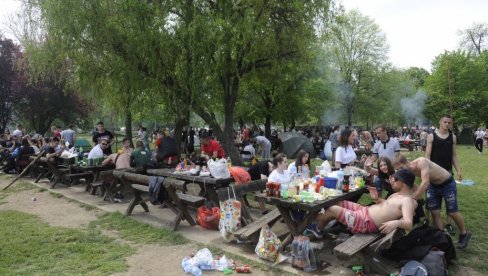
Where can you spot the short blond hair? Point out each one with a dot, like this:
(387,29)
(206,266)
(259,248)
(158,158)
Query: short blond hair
(400,159)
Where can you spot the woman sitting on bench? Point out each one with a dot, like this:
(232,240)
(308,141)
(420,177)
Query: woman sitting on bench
(384,216)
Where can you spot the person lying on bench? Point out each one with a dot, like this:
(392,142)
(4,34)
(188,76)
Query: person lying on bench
(384,216)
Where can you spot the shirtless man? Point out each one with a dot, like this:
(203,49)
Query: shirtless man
(439,184)
(384,216)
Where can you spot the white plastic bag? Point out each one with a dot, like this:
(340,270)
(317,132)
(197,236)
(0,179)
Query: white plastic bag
(325,168)
(269,245)
(218,169)
(230,216)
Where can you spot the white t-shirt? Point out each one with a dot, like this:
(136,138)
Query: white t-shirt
(480,134)
(281,178)
(96,152)
(345,155)
(250,149)
(292,169)
(262,140)
(387,149)
(17,132)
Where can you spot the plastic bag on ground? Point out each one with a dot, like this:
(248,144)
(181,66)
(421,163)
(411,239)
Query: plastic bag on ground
(208,218)
(269,245)
(203,260)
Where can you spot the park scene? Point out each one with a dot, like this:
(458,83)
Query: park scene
(223,137)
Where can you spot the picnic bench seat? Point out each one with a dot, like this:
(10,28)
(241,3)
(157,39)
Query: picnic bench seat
(251,230)
(374,242)
(178,202)
(75,177)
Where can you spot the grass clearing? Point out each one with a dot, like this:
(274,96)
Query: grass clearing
(134,231)
(56,250)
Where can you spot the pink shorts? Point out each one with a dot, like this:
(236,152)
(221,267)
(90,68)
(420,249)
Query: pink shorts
(356,218)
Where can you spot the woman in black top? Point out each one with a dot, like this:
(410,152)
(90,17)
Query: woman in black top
(261,170)
(384,171)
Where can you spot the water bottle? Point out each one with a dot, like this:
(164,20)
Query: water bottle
(340,178)
(229,162)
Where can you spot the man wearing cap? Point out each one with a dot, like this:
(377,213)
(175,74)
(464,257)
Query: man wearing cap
(438,183)
(384,216)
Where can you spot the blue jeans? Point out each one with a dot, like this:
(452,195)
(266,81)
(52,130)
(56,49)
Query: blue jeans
(446,190)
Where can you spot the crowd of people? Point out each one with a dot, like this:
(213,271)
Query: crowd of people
(394,173)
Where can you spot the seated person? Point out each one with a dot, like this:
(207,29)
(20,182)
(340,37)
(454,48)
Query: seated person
(384,216)
(211,147)
(121,159)
(280,174)
(97,151)
(140,158)
(53,150)
(261,170)
(166,149)
(302,161)
(384,172)
(23,158)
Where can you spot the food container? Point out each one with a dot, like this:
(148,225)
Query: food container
(330,182)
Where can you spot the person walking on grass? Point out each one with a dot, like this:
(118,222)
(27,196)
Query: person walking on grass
(479,135)
(441,149)
(439,184)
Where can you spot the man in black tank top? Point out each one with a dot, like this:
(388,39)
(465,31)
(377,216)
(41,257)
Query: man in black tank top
(441,149)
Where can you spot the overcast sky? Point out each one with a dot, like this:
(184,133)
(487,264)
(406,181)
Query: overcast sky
(416,30)
(419,30)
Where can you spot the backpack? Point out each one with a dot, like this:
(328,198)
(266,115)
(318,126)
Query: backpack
(418,243)
(413,268)
(435,263)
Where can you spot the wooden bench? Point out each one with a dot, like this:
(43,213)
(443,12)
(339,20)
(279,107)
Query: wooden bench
(251,231)
(374,241)
(75,177)
(180,201)
(177,202)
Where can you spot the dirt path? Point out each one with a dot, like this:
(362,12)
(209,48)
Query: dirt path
(148,260)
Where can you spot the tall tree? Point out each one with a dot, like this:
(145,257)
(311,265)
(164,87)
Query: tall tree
(475,38)
(359,50)
(9,54)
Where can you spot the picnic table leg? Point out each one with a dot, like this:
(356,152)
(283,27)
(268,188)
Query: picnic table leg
(296,228)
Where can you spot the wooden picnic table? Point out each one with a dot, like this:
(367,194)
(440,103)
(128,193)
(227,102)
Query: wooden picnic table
(51,165)
(208,184)
(285,206)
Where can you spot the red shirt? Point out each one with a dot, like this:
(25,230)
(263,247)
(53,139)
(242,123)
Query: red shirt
(213,146)
(245,134)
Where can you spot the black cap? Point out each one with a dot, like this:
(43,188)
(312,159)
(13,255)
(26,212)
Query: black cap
(406,176)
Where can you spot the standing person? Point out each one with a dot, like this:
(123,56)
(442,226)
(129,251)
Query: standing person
(18,131)
(102,133)
(265,145)
(345,155)
(143,136)
(211,147)
(334,141)
(438,183)
(69,135)
(386,145)
(245,135)
(479,135)
(441,149)
(191,141)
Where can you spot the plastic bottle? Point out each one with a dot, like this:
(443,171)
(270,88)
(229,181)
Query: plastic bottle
(229,162)
(340,178)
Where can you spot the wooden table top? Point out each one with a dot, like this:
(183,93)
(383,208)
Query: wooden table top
(311,206)
(191,178)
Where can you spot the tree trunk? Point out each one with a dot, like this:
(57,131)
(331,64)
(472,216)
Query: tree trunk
(128,126)
(181,122)
(267,126)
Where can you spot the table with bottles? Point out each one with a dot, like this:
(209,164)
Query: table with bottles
(307,200)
